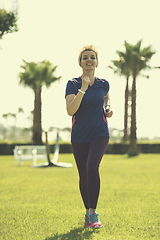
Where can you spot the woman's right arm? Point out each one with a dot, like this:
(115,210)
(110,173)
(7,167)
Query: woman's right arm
(73,101)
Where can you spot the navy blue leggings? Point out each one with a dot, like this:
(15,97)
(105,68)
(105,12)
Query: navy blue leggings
(88,157)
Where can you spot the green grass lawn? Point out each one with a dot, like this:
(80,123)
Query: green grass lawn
(45,203)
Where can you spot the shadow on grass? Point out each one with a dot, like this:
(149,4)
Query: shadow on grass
(75,234)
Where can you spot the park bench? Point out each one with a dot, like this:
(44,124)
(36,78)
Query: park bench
(30,153)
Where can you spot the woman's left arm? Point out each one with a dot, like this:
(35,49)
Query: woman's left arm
(107,107)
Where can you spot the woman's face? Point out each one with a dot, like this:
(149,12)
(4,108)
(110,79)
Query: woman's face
(89,60)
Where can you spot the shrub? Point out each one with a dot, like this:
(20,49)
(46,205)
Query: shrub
(113,148)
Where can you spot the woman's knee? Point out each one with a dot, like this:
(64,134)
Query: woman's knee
(92,169)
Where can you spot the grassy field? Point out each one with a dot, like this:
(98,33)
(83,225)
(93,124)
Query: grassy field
(45,204)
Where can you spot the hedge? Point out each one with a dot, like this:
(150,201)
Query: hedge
(115,148)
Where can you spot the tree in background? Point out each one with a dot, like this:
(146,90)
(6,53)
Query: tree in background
(7,115)
(35,76)
(20,111)
(8,22)
(131,63)
(139,62)
(123,68)
(13,116)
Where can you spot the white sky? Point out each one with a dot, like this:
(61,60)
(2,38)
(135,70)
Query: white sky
(56,31)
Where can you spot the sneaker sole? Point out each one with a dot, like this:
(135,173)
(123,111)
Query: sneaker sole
(96,227)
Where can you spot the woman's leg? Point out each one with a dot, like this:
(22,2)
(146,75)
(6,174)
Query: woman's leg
(80,152)
(97,149)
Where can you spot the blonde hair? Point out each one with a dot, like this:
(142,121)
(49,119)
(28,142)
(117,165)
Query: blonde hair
(87,48)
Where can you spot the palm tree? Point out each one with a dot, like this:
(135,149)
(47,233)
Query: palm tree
(138,62)
(8,22)
(35,75)
(12,115)
(20,110)
(123,68)
(130,63)
(5,116)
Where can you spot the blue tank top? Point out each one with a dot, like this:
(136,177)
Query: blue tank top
(89,121)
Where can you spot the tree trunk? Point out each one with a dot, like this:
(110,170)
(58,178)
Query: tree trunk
(133,148)
(125,135)
(37,127)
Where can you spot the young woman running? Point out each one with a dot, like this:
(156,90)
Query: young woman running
(87,100)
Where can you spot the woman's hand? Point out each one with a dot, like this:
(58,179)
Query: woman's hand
(85,82)
(108,112)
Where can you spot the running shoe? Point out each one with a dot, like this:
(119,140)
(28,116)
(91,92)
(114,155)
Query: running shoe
(87,222)
(94,220)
